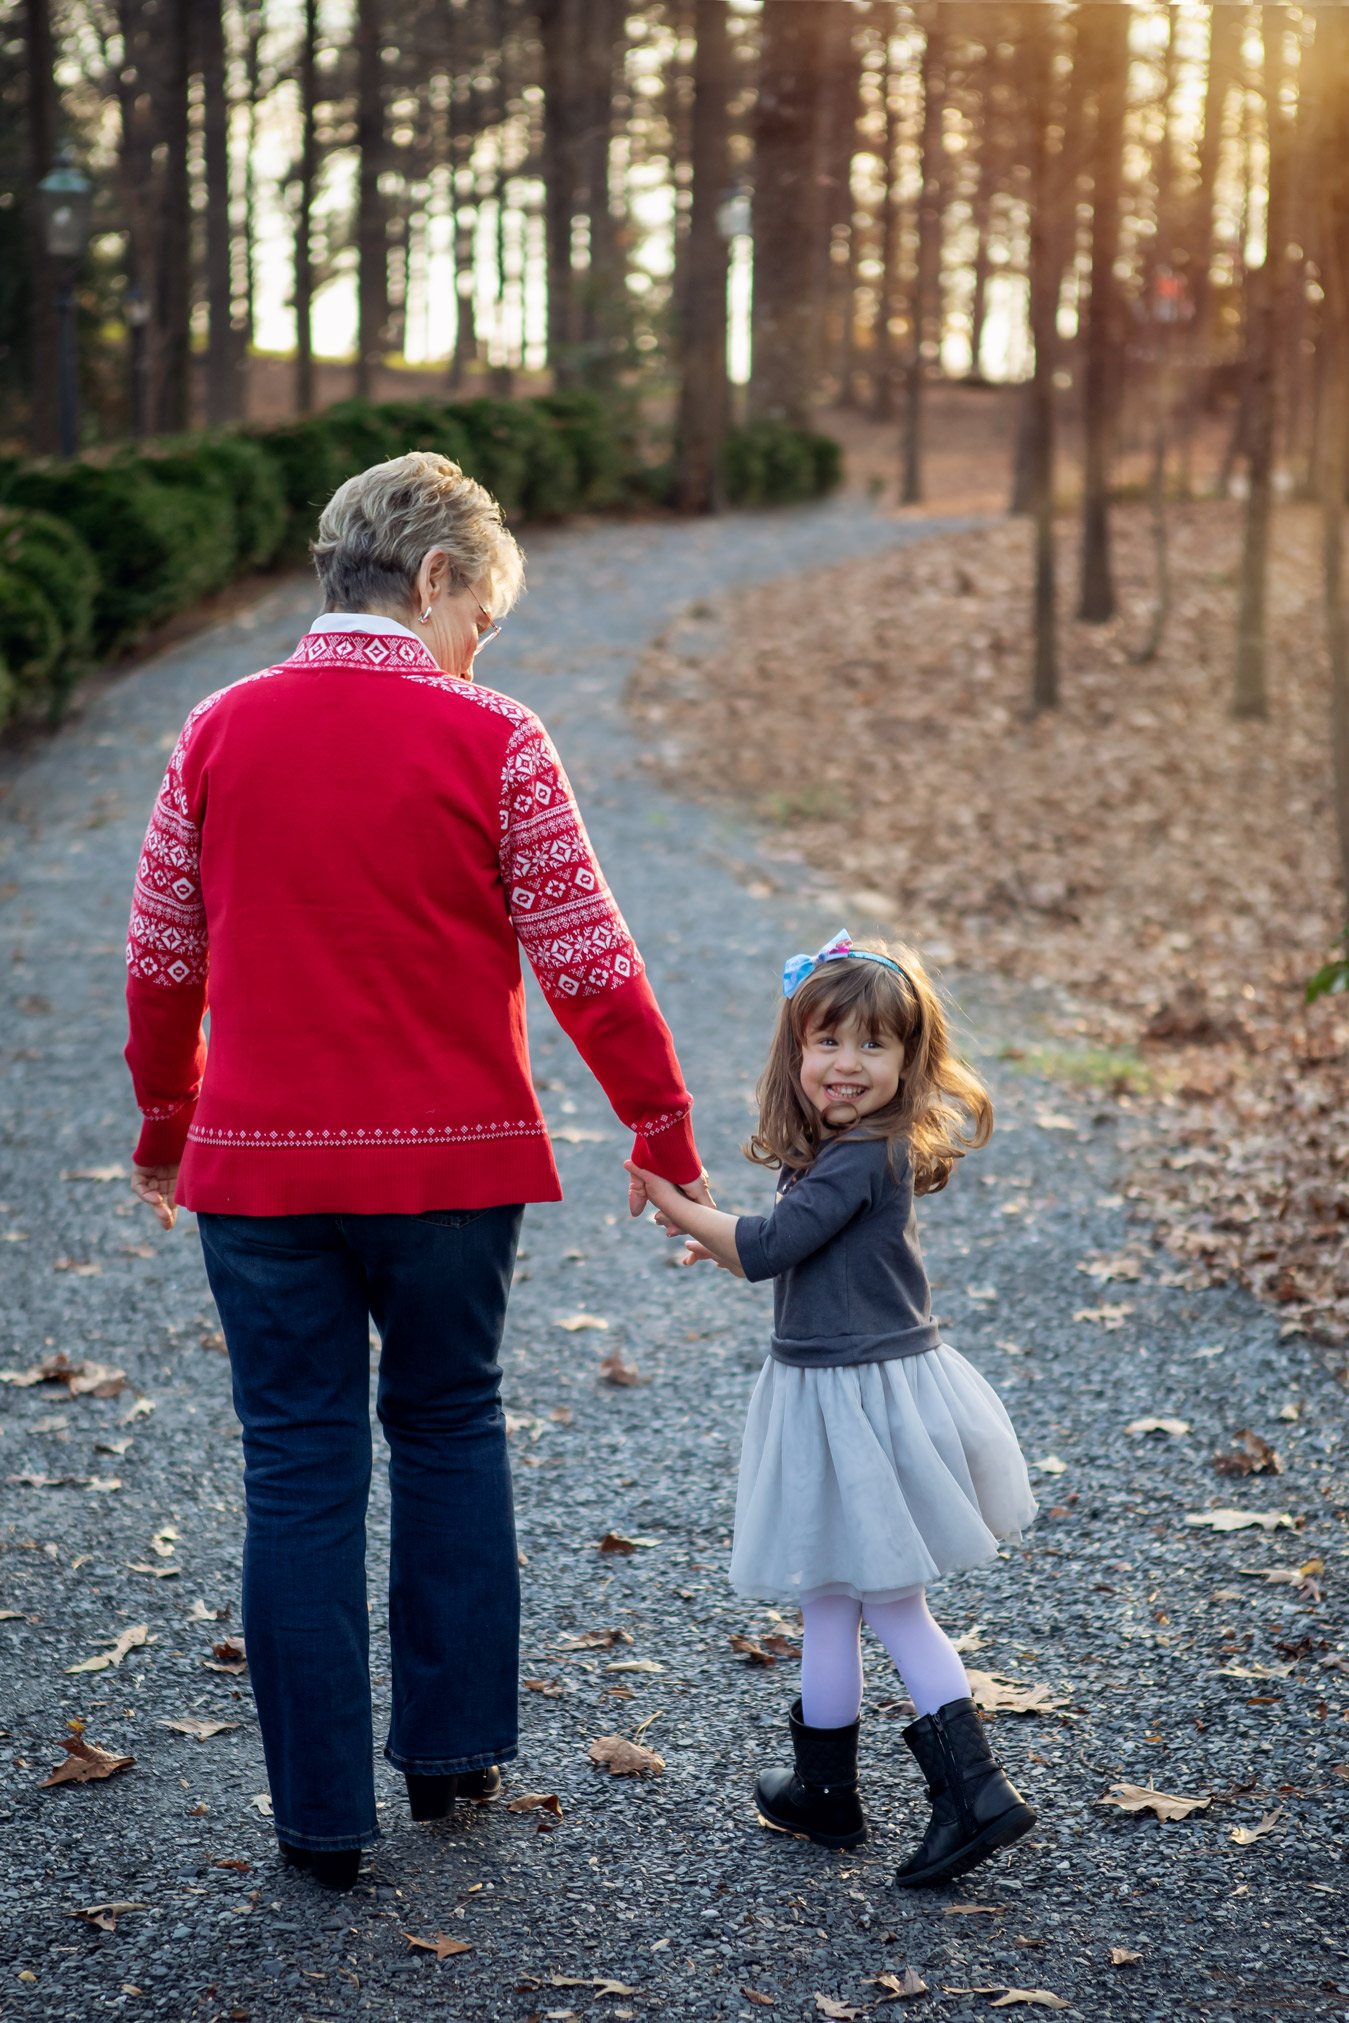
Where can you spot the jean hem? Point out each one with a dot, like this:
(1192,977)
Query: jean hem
(450,1766)
(332,1843)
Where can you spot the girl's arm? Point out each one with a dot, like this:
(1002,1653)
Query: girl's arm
(710,1227)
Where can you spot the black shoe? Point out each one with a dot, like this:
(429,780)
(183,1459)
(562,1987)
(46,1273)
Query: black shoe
(975,1810)
(432,1797)
(819,1798)
(335,1867)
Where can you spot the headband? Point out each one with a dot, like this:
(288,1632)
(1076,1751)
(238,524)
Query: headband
(798,967)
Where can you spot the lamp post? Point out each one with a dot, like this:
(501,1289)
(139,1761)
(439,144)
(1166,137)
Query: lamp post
(66,198)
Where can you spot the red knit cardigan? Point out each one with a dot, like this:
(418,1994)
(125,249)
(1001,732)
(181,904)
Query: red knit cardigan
(350,849)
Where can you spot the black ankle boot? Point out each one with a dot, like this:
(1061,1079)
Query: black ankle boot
(479,1785)
(819,1798)
(431,1797)
(336,1868)
(975,1810)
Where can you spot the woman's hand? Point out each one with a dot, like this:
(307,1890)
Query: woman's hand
(157,1185)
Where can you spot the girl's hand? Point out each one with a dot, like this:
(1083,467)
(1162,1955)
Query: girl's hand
(695,1253)
(157,1186)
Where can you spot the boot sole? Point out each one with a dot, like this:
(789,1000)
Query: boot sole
(803,1833)
(1000,1834)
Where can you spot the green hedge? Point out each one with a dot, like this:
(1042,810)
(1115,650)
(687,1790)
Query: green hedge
(159,525)
(769,464)
(48,587)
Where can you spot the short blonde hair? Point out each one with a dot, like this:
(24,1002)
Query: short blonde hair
(375,531)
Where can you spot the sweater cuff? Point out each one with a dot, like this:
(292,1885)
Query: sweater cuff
(749,1243)
(163,1139)
(671,1153)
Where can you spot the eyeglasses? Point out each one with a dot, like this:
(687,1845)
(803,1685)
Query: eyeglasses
(493,628)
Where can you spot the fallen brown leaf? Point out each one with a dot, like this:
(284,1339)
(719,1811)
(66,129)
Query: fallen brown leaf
(84,1763)
(897,1986)
(624,1758)
(1251,1455)
(1175,1427)
(635,1665)
(551,1689)
(576,1323)
(537,1801)
(1108,1317)
(562,1415)
(614,1370)
(974,1910)
(233,1862)
(759,1999)
(995,1695)
(96,1173)
(1120,1956)
(200,1731)
(755,1653)
(83,1380)
(442,1945)
(1107,1268)
(595,1640)
(1246,1836)
(1166,1805)
(1241,1520)
(128,1640)
(614,1541)
(164,1541)
(842,2011)
(228,1657)
(105,1916)
(79,1267)
(1032,1997)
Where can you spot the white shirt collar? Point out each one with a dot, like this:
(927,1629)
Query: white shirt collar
(361,621)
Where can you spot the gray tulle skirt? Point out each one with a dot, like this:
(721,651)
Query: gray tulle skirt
(874,1479)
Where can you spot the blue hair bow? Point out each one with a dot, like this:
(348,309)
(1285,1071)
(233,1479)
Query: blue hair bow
(798,967)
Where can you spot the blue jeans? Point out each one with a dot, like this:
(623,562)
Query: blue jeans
(295,1295)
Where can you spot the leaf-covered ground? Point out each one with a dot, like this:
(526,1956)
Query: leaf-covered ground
(1171,868)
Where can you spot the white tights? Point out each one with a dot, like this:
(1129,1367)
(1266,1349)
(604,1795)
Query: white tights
(831,1656)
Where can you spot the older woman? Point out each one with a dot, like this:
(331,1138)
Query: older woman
(351,848)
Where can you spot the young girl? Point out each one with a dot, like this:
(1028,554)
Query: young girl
(875,1458)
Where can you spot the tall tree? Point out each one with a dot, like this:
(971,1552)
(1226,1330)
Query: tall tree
(44,428)
(1224,35)
(170,379)
(786,199)
(702,337)
(1103,66)
(1332,63)
(1249,689)
(559,30)
(834,283)
(223,387)
(601,295)
(925,320)
(887,286)
(306,190)
(1037,80)
(372,246)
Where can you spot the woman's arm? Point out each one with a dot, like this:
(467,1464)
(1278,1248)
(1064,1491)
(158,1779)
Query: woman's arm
(711,1228)
(584,958)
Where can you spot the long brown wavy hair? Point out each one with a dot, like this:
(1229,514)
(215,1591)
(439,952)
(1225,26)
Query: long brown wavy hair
(941,1109)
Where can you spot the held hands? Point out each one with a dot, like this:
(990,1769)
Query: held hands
(688,1212)
(157,1185)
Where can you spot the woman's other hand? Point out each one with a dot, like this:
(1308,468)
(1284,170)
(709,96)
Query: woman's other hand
(157,1185)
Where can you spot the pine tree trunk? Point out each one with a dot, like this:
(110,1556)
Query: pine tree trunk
(601,304)
(702,351)
(304,212)
(253,70)
(786,206)
(222,377)
(558,27)
(1332,62)
(372,250)
(883,371)
(1249,689)
(926,317)
(840,106)
(170,376)
(1103,48)
(44,424)
(1224,24)
(1037,66)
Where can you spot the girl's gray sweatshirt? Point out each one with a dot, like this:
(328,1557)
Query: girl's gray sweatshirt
(841,1247)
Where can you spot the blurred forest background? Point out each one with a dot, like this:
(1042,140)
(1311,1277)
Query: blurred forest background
(1086,262)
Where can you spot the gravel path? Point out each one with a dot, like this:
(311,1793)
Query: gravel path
(656,1895)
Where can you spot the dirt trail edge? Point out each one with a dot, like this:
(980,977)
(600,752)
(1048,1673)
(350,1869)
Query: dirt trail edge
(1148,1649)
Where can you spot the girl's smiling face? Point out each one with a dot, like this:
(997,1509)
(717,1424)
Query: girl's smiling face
(848,1071)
